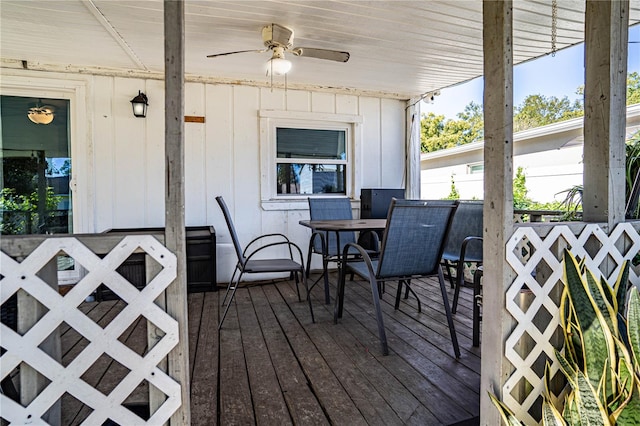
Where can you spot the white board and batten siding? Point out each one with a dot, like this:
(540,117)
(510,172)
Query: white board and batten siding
(223,154)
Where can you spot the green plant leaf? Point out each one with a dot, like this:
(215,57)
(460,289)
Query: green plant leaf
(590,410)
(629,412)
(620,287)
(550,415)
(507,415)
(597,342)
(633,327)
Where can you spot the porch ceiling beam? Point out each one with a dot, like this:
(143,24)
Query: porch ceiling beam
(176,294)
(497,23)
(606,34)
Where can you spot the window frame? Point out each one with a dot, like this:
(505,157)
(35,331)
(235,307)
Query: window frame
(270,120)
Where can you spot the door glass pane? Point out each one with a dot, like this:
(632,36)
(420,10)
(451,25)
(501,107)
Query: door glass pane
(36,166)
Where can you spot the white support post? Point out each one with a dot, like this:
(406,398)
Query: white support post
(174,197)
(412,137)
(498,199)
(606,34)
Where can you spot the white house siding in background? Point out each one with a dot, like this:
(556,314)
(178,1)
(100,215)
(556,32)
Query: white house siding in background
(551,157)
(118,174)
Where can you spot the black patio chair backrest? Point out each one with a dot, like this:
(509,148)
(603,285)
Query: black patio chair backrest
(331,209)
(467,222)
(414,238)
(232,230)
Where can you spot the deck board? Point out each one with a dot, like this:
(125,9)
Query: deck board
(271,365)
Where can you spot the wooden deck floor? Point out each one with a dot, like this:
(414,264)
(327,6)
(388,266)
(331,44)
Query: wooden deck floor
(271,365)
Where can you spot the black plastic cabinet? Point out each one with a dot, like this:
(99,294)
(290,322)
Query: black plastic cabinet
(201,261)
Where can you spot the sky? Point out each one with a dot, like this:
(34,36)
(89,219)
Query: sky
(558,76)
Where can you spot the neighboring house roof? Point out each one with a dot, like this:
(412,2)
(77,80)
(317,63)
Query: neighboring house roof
(553,136)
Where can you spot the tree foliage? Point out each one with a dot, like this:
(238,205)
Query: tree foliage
(633,88)
(539,110)
(437,133)
(536,110)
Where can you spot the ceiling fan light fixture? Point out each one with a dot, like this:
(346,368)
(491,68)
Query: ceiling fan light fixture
(279,66)
(41,114)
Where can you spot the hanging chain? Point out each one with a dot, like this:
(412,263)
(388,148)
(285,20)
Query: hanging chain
(554,26)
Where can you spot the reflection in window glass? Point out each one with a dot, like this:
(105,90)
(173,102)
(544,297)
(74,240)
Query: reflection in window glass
(311,161)
(36,166)
(311,143)
(311,178)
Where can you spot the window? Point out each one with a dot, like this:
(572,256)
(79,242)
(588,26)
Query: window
(311,161)
(307,154)
(475,168)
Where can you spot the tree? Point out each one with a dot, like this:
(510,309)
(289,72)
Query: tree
(538,110)
(633,88)
(436,133)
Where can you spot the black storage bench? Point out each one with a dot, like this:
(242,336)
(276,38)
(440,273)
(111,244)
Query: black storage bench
(201,261)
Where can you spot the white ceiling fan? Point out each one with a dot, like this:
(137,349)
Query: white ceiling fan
(279,39)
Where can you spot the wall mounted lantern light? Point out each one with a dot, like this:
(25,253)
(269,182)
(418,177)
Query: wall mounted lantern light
(140,103)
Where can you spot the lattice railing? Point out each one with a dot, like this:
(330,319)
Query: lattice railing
(533,301)
(24,350)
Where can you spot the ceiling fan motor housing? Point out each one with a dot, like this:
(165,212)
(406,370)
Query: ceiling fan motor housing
(275,35)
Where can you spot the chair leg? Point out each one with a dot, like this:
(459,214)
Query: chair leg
(408,290)
(459,282)
(295,275)
(476,307)
(229,287)
(306,286)
(376,302)
(325,268)
(398,294)
(309,253)
(233,293)
(447,310)
(337,310)
(447,265)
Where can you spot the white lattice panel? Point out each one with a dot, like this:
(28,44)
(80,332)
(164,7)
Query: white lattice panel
(539,267)
(24,349)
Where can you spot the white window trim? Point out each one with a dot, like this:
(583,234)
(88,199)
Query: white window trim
(271,119)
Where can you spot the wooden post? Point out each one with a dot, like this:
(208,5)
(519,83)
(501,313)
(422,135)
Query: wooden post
(412,137)
(606,34)
(175,232)
(498,199)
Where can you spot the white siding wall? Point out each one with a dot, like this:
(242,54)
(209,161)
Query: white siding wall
(222,155)
(547,174)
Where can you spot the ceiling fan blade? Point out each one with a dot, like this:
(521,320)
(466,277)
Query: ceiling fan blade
(332,55)
(233,53)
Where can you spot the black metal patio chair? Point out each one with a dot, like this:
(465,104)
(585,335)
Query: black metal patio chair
(330,244)
(464,244)
(247,264)
(412,246)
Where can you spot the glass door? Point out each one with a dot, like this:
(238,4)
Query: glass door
(35,197)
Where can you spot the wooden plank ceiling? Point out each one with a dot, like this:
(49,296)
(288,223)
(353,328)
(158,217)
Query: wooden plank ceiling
(398,48)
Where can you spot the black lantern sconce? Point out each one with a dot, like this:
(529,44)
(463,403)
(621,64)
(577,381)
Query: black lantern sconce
(140,104)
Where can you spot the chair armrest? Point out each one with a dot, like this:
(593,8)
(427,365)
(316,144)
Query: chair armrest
(374,236)
(364,257)
(289,244)
(323,241)
(460,265)
(283,239)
